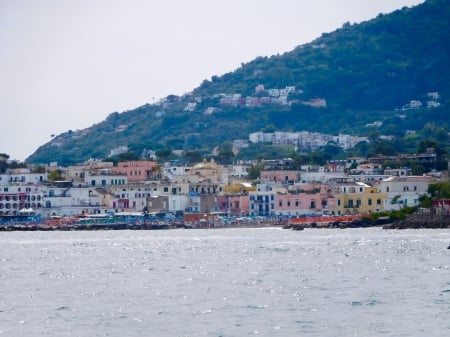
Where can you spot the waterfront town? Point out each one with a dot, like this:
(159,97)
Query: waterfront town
(208,191)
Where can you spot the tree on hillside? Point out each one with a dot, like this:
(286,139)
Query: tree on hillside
(424,145)
(163,154)
(192,157)
(225,156)
(55,176)
(255,171)
(439,190)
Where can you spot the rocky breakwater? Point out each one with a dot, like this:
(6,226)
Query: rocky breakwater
(87,226)
(355,223)
(416,221)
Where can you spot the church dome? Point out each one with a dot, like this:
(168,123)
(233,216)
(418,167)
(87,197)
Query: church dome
(205,165)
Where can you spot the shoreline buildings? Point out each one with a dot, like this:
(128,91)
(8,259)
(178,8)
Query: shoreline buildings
(207,187)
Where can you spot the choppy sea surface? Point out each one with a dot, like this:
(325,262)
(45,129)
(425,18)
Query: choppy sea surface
(226,282)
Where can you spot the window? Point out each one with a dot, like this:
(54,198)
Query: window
(289,204)
(280,204)
(369,202)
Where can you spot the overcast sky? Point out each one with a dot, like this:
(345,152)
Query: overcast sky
(67,64)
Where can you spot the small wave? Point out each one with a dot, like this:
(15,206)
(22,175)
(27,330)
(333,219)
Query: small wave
(63,308)
(365,303)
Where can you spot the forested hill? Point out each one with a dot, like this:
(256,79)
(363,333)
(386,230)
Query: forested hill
(393,69)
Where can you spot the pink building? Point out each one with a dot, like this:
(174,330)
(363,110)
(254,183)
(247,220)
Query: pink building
(281,176)
(137,170)
(306,199)
(441,206)
(236,205)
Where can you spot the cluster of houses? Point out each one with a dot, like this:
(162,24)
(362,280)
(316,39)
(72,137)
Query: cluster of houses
(305,140)
(97,187)
(261,97)
(432,102)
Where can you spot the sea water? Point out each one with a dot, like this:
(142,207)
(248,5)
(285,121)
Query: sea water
(225,282)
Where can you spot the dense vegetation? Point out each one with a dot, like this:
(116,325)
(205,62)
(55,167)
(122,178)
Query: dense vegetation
(5,164)
(366,72)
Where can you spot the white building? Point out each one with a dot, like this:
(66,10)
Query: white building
(261,203)
(404,191)
(15,197)
(118,150)
(239,170)
(348,141)
(260,137)
(72,201)
(104,178)
(173,170)
(22,176)
(321,176)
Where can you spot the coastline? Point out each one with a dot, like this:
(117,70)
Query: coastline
(415,221)
(418,221)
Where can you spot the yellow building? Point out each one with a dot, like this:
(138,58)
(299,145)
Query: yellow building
(242,187)
(356,198)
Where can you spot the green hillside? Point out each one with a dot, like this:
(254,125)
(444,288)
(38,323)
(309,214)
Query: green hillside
(374,71)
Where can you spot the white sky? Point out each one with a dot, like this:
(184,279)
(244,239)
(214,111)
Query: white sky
(67,64)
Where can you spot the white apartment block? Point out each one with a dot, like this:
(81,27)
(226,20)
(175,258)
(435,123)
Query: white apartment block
(72,201)
(105,178)
(260,137)
(403,191)
(22,176)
